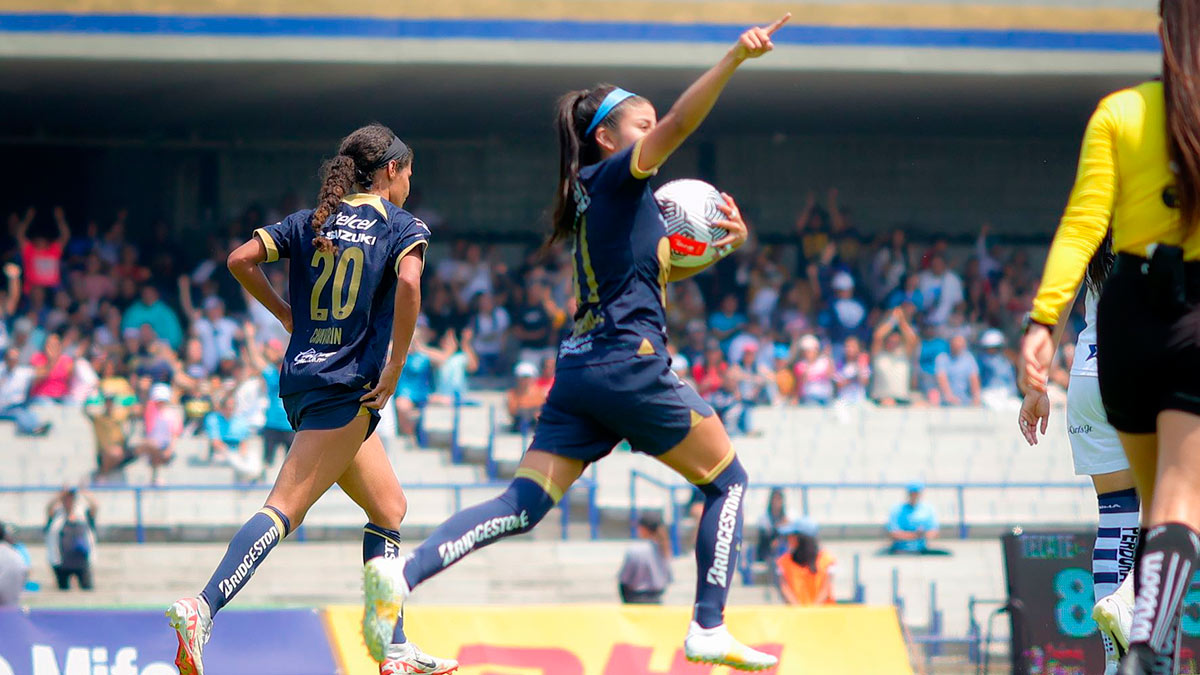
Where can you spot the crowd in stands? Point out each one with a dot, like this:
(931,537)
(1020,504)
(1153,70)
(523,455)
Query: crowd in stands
(145,329)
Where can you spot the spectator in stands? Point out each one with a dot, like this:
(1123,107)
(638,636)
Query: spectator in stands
(15,381)
(416,380)
(814,372)
(42,257)
(727,321)
(753,389)
(216,332)
(109,420)
(14,570)
(228,440)
(163,421)
(958,375)
(10,300)
(912,525)
(805,571)
(53,368)
(933,346)
(152,311)
(266,360)
(997,376)
(545,378)
(893,349)
(536,322)
(889,266)
(853,373)
(489,325)
(941,288)
(454,360)
(784,380)
(846,316)
(770,537)
(646,572)
(525,399)
(71,537)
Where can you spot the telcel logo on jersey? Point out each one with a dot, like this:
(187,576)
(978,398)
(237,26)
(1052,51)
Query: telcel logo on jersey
(354,222)
(311,356)
(87,661)
(719,572)
(488,529)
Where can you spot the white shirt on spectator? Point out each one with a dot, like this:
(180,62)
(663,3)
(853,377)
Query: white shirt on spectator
(251,402)
(942,294)
(216,339)
(479,281)
(14,385)
(84,382)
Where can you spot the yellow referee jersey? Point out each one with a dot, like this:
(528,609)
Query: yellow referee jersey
(1123,178)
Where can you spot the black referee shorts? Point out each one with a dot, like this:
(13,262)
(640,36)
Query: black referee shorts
(1148,357)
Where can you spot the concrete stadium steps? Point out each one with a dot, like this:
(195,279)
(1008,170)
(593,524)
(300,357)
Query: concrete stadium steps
(791,445)
(521,571)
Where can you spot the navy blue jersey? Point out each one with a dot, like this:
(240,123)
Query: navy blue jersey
(622,258)
(342,302)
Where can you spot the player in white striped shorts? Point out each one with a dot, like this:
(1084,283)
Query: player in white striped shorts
(1097,453)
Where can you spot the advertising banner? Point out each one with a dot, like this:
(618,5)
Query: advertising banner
(1050,586)
(99,642)
(616,640)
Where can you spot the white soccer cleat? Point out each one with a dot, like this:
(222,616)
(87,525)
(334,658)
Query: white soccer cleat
(192,621)
(384,591)
(716,645)
(1112,654)
(408,658)
(1114,616)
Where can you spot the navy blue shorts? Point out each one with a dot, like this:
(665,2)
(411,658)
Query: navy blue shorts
(331,407)
(591,409)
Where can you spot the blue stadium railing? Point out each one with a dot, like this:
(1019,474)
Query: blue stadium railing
(960,490)
(138,491)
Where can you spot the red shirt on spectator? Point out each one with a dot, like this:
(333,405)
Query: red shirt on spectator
(709,379)
(43,264)
(57,382)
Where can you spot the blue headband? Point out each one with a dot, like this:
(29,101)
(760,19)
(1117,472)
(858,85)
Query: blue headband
(614,99)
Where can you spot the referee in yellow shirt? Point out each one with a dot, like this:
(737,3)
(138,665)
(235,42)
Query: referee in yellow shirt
(1139,172)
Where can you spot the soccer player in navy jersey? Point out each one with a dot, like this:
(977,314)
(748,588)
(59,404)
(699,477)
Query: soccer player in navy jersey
(356,263)
(614,379)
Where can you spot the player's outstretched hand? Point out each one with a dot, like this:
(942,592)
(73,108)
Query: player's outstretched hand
(757,41)
(733,224)
(378,397)
(1035,412)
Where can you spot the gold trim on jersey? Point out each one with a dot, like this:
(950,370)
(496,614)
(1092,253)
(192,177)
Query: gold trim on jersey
(269,242)
(542,480)
(589,273)
(635,160)
(361,198)
(407,250)
(664,268)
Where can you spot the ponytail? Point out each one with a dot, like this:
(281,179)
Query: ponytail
(565,201)
(577,149)
(360,155)
(1100,265)
(1181,88)
(339,180)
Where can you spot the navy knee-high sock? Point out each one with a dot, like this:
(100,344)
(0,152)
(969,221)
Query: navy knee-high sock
(380,542)
(246,552)
(528,499)
(718,541)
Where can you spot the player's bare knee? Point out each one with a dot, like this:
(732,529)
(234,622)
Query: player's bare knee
(390,513)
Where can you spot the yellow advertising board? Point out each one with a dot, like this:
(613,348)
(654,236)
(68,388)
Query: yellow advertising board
(624,640)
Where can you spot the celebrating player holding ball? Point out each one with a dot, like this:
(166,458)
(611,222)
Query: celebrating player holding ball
(614,378)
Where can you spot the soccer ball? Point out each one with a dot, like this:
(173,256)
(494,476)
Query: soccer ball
(689,209)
